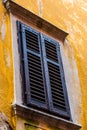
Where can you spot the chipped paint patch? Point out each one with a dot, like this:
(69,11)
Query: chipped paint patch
(3,30)
(3,26)
(40,7)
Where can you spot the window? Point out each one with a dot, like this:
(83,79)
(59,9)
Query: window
(42,72)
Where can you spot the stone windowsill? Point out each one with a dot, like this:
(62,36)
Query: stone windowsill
(54,121)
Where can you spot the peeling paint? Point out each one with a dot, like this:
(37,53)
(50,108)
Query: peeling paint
(3,26)
(3,30)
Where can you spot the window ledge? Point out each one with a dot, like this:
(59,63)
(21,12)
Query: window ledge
(39,23)
(30,113)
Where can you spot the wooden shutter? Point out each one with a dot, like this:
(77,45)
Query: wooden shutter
(33,68)
(43,72)
(58,95)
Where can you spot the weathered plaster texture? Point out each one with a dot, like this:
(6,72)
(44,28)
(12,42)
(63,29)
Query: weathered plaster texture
(6,66)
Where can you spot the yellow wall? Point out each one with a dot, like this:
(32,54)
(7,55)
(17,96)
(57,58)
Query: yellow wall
(69,15)
(6,67)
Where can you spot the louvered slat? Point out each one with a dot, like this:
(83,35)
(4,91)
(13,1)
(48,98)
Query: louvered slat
(36,78)
(54,75)
(32,41)
(51,51)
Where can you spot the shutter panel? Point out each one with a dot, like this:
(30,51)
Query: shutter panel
(59,101)
(35,86)
(55,76)
(56,87)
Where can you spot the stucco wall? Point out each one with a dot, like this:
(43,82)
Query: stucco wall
(69,15)
(6,65)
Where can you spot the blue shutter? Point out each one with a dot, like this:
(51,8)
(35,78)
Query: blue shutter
(33,68)
(58,100)
(44,83)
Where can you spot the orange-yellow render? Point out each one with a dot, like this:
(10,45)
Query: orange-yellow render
(6,65)
(70,16)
